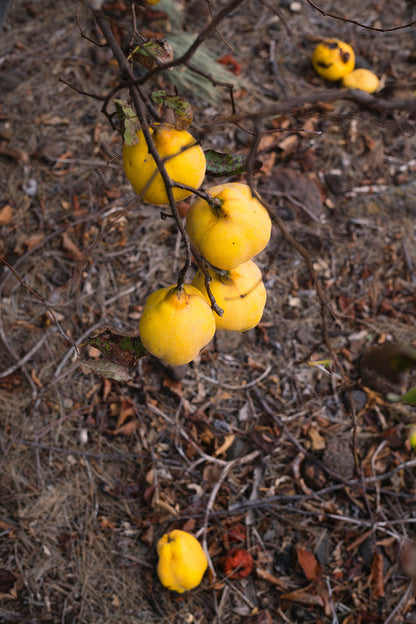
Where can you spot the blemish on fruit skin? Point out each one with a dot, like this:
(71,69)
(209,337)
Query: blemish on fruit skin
(333,59)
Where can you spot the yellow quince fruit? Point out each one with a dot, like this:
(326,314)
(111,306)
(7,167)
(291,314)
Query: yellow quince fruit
(362,79)
(233,232)
(176,324)
(411,436)
(240,293)
(333,59)
(184,161)
(182,561)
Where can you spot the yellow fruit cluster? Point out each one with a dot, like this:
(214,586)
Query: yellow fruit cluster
(227,231)
(228,234)
(177,322)
(335,60)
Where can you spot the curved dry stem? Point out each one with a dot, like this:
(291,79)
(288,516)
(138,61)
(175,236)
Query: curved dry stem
(212,201)
(142,111)
(356,23)
(42,301)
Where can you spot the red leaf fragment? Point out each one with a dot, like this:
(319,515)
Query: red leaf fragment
(237,563)
(235,66)
(309,564)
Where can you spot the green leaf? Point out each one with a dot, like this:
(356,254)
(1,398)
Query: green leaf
(107,369)
(226,164)
(129,122)
(409,397)
(159,97)
(179,105)
(152,53)
(119,349)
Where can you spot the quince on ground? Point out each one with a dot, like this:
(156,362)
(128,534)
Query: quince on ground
(182,561)
(362,79)
(183,158)
(176,324)
(333,59)
(240,293)
(233,232)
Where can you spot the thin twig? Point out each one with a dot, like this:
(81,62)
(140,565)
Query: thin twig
(42,301)
(401,605)
(351,21)
(141,111)
(243,386)
(210,504)
(27,355)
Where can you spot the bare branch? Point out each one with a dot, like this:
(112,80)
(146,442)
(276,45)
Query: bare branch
(351,21)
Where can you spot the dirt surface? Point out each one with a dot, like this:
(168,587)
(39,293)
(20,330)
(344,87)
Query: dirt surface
(274,441)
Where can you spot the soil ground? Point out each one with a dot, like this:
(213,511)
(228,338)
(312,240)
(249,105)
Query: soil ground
(270,441)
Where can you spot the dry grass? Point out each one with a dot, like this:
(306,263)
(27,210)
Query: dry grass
(81,508)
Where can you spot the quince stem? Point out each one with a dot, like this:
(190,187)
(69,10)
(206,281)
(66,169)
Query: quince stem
(212,201)
(141,110)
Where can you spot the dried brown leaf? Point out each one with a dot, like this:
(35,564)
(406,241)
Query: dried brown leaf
(271,578)
(6,215)
(49,119)
(10,584)
(71,249)
(15,153)
(376,576)
(225,445)
(308,563)
(110,370)
(127,429)
(304,597)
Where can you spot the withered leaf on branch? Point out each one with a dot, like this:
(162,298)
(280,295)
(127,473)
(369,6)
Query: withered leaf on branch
(152,53)
(221,164)
(107,369)
(409,397)
(129,123)
(119,349)
(180,107)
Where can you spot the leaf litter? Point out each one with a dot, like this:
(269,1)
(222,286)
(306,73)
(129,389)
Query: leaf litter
(306,468)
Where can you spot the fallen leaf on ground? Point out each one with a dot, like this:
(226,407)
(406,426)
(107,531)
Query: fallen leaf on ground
(71,249)
(6,215)
(376,576)
(308,563)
